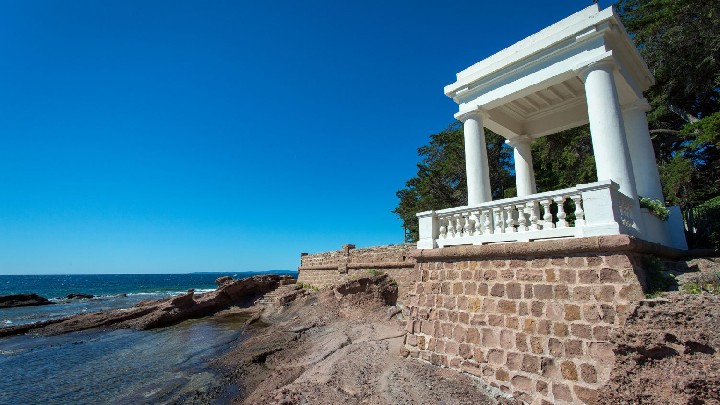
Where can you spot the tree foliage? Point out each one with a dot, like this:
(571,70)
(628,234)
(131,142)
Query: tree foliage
(564,159)
(441,179)
(680,41)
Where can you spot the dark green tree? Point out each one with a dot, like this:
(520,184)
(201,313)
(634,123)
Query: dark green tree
(441,181)
(564,159)
(680,41)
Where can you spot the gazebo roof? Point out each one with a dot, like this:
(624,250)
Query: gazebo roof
(533,87)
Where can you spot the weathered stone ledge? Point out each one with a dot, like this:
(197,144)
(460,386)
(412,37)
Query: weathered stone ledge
(544,248)
(368,265)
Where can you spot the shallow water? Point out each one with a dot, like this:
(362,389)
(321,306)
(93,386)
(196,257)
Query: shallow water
(122,366)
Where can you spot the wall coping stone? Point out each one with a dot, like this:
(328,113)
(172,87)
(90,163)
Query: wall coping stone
(372,265)
(551,247)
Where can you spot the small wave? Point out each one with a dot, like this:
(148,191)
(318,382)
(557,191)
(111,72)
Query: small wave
(171,293)
(10,352)
(7,322)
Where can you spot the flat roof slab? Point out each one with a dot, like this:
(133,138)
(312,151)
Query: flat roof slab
(533,88)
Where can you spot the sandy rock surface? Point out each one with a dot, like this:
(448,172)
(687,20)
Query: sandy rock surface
(668,353)
(340,346)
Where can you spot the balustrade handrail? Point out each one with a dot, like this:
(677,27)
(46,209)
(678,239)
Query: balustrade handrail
(525,199)
(597,208)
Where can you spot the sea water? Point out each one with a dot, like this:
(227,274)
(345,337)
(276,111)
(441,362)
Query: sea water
(166,365)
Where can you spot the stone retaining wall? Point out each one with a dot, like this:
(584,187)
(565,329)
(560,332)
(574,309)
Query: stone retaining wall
(334,267)
(533,319)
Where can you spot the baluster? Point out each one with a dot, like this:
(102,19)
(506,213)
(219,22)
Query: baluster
(443,228)
(487,224)
(498,212)
(509,220)
(522,220)
(460,225)
(475,220)
(547,218)
(579,213)
(560,201)
(451,226)
(628,212)
(469,224)
(534,213)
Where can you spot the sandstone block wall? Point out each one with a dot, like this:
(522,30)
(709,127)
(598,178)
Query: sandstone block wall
(334,267)
(533,319)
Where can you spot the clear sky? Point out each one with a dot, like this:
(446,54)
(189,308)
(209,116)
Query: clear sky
(143,136)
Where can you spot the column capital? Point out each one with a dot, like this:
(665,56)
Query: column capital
(477,113)
(603,64)
(519,140)
(639,104)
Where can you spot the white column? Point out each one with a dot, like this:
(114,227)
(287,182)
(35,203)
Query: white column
(642,154)
(524,174)
(607,130)
(476,161)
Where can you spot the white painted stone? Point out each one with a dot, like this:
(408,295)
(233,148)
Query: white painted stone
(476,161)
(676,229)
(524,174)
(532,87)
(642,153)
(612,157)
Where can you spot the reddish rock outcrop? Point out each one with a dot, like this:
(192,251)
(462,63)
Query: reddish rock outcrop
(667,353)
(338,346)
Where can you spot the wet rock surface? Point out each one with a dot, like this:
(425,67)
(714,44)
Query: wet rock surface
(668,352)
(23,300)
(340,345)
(79,296)
(158,313)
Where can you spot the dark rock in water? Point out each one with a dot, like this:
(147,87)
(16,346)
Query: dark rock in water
(223,280)
(23,300)
(77,296)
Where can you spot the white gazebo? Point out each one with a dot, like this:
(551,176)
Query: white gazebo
(582,69)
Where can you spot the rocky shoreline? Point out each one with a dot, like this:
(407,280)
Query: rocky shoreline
(159,313)
(345,344)
(338,345)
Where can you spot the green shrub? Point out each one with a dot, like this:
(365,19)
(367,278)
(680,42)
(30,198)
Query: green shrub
(703,283)
(707,227)
(308,286)
(656,207)
(692,288)
(657,279)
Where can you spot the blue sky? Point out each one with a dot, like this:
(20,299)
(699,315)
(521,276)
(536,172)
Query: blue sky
(176,136)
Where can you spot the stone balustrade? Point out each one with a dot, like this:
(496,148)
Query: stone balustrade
(593,209)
